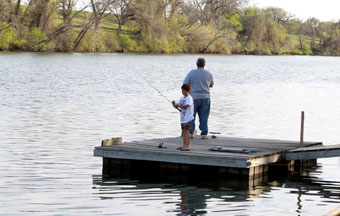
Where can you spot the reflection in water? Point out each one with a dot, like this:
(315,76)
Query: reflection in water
(189,198)
(193,196)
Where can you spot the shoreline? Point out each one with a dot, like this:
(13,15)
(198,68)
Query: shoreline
(148,53)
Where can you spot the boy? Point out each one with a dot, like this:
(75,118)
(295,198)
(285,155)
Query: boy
(186,104)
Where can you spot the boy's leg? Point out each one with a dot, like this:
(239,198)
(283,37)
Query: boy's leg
(203,114)
(186,139)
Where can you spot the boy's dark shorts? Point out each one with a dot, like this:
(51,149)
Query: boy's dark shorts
(186,126)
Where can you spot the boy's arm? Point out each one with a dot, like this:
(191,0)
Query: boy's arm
(181,106)
(173,104)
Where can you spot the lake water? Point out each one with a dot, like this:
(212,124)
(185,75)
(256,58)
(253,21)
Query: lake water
(55,108)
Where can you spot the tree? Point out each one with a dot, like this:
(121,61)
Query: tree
(162,26)
(212,22)
(329,34)
(312,30)
(100,10)
(260,33)
(68,17)
(6,35)
(66,8)
(205,11)
(279,15)
(123,11)
(6,11)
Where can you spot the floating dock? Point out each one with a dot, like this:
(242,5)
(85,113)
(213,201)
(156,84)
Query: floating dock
(228,155)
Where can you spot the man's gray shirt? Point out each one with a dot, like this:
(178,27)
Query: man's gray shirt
(200,81)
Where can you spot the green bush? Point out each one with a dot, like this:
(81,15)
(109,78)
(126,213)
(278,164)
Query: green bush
(111,42)
(98,41)
(175,44)
(35,36)
(6,36)
(64,42)
(126,43)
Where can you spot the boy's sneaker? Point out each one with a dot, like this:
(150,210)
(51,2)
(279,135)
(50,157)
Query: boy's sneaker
(191,136)
(204,137)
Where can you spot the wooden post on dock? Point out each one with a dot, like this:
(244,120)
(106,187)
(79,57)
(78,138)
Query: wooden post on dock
(302,128)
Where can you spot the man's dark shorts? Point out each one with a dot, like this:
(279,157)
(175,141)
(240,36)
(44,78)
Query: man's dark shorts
(186,126)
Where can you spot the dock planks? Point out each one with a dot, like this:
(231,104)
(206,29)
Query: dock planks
(267,151)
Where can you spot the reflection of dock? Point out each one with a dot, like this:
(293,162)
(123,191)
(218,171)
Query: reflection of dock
(232,190)
(191,194)
(239,156)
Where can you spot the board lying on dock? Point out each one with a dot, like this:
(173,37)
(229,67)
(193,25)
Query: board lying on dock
(313,152)
(252,156)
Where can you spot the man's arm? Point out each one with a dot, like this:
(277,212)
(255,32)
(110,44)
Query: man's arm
(187,78)
(212,82)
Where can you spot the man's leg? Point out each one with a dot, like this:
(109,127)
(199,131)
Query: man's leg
(203,114)
(196,105)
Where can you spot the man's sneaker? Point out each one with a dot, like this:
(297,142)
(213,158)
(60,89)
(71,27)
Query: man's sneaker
(204,137)
(191,136)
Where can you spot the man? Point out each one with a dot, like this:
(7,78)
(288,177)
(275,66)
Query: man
(201,81)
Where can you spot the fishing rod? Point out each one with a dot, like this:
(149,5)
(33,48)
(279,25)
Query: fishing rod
(158,91)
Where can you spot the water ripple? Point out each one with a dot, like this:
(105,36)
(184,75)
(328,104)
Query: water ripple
(54,108)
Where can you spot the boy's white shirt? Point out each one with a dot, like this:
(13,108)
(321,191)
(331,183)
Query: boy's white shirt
(186,114)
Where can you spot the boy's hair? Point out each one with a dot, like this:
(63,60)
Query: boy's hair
(186,86)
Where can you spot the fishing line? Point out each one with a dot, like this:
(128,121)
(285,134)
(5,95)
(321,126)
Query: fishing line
(157,91)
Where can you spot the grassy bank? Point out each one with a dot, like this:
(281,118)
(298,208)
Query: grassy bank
(151,27)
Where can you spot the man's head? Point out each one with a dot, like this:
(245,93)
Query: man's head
(200,63)
(186,89)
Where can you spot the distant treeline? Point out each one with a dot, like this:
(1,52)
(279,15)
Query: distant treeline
(162,26)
